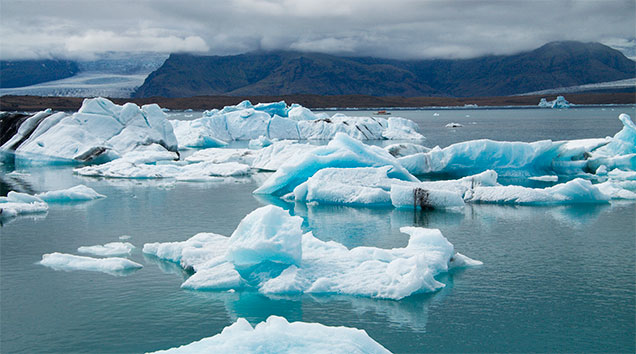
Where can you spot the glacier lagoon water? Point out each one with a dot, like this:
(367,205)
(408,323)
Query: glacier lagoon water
(554,278)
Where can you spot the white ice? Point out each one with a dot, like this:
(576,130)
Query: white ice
(100,131)
(276,335)
(559,102)
(109,249)
(68,262)
(16,203)
(73,194)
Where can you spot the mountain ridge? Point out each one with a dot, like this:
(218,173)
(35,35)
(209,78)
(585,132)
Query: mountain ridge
(555,64)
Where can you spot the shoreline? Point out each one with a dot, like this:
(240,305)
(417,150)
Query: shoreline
(37,103)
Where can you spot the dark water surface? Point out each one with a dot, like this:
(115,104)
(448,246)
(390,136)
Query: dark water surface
(554,279)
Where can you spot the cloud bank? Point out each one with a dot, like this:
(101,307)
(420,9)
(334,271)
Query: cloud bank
(405,29)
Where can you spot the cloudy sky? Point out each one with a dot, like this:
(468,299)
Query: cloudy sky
(388,28)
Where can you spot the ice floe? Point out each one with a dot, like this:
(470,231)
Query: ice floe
(109,249)
(100,131)
(276,120)
(269,252)
(16,203)
(276,335)
(68,262)
(73,194)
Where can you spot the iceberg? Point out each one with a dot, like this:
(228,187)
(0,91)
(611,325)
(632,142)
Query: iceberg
(180,170)
(559,102)
(276,335)
(100,131)
(540,158)
(16,203)
(279,121)
(268,252)
(69,262)
(342,151)
(572,192)
(109,249)
(73,194)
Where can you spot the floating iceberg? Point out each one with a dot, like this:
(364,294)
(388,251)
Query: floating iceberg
(269,252)
(68,262)
(109,249)
(276,335)
(342,151)
(73,194)
(278,121)
(454,125)
(100,131)
(574,157)
(572,192)
(16,203)
(559,102)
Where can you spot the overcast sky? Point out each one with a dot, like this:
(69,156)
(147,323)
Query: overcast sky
(389,28)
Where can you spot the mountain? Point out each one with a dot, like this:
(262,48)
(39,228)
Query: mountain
(30,72)
(556,64)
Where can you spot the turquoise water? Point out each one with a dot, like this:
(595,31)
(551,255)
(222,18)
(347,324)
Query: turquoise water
(554,279)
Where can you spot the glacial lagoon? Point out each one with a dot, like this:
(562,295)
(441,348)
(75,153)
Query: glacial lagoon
(554,278)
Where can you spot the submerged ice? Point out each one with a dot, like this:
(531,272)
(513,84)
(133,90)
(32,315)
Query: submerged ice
(276,335)
(269,252)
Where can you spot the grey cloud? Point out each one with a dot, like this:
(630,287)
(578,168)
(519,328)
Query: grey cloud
(396,29)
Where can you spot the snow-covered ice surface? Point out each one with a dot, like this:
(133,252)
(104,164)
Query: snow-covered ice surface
(276,335)
(266,121)
(269,252)
(69,262)
(100,131)
(109,249)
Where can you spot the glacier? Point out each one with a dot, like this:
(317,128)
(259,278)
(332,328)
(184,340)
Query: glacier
(69,262)
(269,121)
(269,252)
(99,131)
(277,335)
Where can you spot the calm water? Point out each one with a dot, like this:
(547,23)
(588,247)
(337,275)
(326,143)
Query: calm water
(554,279)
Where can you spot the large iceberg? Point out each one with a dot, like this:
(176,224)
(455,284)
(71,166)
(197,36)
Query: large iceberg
(276,335)
(269,252)
(342,151)
(279,121)
(69,262)
(574,157)
(100,131)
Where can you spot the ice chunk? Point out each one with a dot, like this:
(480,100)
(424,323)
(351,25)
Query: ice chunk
(418,197)
(16,203)
(100,131)
(109,249)
(454,125)
(544,178)
(77,193)
(405,149)
(112,265)
(559,102)
(218,155)
(343,151)
(122,168)
(276,335)
(268,252)
(575,191)
(266,234)
(259,143)
(192,253)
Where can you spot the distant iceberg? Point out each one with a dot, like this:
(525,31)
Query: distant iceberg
(69,262)
(276,335)
(559,102)
(279,121)
(268,252)
(100,131)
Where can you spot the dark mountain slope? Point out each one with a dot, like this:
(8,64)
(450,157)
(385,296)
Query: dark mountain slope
(30,72)
(556,64)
